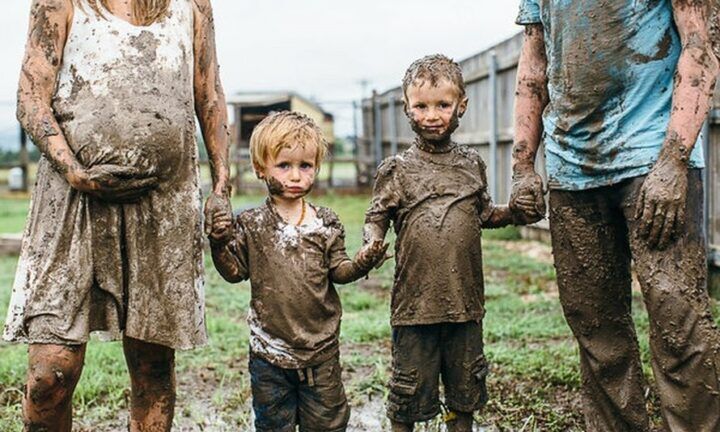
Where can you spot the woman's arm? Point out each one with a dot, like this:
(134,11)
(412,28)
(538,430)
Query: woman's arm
(49,26)
(209,96)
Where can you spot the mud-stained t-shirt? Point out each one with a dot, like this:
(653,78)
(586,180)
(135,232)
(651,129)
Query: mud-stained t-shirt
(610,79)
(436,202)
(294,315)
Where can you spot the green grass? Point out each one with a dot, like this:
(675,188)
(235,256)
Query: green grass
(13,212)
(534,380)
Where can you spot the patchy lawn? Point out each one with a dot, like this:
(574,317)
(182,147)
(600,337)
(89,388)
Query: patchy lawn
(533,385)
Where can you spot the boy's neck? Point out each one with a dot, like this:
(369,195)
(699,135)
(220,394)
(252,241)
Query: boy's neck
(290,209)
(429,146)
(287,203)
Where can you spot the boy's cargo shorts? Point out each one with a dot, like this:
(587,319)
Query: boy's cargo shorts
(424,353)
(313,398)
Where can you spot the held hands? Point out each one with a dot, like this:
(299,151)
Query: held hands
(372,255)
(527,200)
(113,183)
(218,218)
(660,208)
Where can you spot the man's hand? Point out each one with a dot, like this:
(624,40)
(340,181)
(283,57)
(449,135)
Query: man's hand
(372,255)
(527,200)
(113,183)
(661,203)
(216,204)
(519,217)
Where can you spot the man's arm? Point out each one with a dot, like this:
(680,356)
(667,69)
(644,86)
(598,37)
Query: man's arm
(661,205)
(531,98)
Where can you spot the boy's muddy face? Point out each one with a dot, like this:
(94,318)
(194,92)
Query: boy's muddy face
(434,111)
(291,174)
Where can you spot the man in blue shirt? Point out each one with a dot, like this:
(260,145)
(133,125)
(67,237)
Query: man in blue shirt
(617,91)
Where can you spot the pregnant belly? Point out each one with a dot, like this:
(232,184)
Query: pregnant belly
(153,147)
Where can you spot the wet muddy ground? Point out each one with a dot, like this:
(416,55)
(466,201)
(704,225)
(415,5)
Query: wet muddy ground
(533,383)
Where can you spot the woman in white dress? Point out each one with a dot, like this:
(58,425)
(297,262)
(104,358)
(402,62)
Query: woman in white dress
(109,91)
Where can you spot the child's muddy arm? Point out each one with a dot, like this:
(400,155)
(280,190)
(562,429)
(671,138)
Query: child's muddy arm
(384,203)
(661,203)
(371,255)
(531,98)
(374,231)
(49,23)
(231,257)
(210,103)
(347,272)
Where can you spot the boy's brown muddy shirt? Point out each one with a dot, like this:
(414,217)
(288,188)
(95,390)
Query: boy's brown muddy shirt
(437,202)
(295,311)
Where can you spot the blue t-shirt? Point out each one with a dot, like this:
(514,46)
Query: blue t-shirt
(610,78)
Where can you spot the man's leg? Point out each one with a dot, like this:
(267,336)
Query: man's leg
(684,340)
(592,259)
(53,373)
(152,377)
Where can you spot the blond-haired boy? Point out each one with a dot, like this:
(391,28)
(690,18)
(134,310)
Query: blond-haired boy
(435,194)
(292,252)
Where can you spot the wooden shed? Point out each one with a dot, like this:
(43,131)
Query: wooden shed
(250,108)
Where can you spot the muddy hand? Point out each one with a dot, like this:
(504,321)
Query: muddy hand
(520,217)
(114,183)
(372,255)
(215,204)
(660,208)
(221,226)
(527,196)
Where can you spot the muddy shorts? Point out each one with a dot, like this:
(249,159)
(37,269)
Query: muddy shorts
(424,353)
(313,398)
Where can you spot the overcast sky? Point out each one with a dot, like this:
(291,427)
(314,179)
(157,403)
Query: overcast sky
(322,49)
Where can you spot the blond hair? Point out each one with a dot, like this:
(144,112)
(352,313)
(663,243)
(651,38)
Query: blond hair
(285,130)
(434,68)
(144,12)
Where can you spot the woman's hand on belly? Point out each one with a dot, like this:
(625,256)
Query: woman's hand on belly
(113,183)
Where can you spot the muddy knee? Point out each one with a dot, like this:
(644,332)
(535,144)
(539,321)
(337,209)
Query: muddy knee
(51,385)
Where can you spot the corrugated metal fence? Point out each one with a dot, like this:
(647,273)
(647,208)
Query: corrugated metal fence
(488,126)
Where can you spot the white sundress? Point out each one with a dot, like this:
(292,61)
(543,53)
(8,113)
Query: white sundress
(124,97)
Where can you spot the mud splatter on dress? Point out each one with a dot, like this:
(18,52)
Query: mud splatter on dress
(125,97)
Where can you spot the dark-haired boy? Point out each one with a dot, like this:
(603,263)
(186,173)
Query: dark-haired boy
(435,194)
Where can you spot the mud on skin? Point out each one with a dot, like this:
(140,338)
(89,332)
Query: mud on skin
(274,186)
(434,145)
